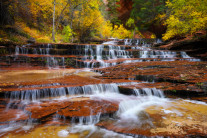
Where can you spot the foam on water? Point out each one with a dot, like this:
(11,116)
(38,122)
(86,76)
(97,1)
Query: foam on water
(195,102)
(129,110)
(63,133)
(94,131)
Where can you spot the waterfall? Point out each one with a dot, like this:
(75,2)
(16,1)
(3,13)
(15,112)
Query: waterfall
(88,120)
(17,50)
(102,55)
(133,106)
(37,94)
(184,55)
(21,50)
(99,55)
(132,110)
(149,92)
(158,41)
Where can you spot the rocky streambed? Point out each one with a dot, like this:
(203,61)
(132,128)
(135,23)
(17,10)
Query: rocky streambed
(121,88)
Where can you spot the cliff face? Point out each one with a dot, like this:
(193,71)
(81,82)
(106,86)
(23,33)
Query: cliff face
(157,28)
(125,10)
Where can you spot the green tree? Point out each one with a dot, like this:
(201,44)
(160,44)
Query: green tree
(131,24)
(112,11)
(68,33)
(6,16)
(146,11)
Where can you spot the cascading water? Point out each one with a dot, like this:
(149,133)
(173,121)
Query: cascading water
(108,54)
(149,92)
(99,55)
(49,60)
(132,107)
(103,55)
(38,94)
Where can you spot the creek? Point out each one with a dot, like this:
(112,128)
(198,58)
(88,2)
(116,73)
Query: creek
(60,90)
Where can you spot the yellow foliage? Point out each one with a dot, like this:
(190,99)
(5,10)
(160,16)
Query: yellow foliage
(186,17)
(106,29)
(120,32)
(84,18)
(33,32)
(89,20)
(153,36)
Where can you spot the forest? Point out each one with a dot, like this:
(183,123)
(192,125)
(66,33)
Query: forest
(84,20)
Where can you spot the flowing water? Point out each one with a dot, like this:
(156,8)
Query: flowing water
(54,78)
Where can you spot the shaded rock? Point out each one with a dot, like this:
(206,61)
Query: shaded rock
(194,47)
(31,40)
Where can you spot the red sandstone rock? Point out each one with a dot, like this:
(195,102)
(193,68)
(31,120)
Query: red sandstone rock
(12,115)
(73,108)
(87,108)
(175,75)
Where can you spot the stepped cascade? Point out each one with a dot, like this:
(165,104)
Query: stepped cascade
(75,88)
(92,56)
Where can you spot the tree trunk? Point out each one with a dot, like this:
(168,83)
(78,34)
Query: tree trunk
(71,23)
(61,14)
(134,31)
(53,23)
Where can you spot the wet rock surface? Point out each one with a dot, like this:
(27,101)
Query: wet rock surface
(72,108)
(174,77)
(193,46)
(13,115)
(123,86)
(158,123)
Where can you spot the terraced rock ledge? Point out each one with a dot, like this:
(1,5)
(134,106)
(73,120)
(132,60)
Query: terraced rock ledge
(121,88)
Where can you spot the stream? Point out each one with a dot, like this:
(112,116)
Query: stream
(60,90)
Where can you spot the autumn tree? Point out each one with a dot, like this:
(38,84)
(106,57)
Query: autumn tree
(62,20)
(53,22)
(88,20)
(185,16)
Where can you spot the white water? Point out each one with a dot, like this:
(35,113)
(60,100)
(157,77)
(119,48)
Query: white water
(149,92)
(130,110)
(92,129)
(101,56)
(105,55)
(50,61)
(35,95)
